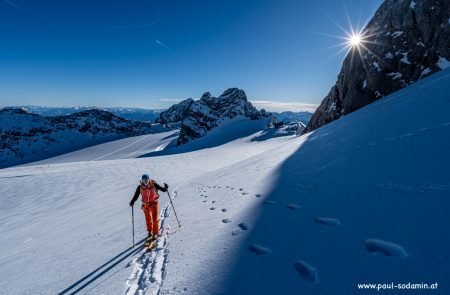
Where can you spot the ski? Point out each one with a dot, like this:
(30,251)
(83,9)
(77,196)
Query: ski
(151,245)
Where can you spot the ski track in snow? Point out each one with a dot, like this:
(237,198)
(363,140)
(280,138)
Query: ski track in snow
(122,148)
(149,267)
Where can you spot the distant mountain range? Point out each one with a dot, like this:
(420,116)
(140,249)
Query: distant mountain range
(137,114)
(173,114)
(32,133)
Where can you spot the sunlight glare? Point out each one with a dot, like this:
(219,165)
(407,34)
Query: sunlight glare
(355,40)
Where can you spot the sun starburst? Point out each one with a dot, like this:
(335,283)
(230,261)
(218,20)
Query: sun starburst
(355,40)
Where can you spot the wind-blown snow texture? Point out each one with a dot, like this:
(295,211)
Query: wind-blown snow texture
(363,199)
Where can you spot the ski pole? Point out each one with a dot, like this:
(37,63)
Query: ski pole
(132,221)
(179,224)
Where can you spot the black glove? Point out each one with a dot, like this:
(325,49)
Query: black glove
(166,185)
(131,203)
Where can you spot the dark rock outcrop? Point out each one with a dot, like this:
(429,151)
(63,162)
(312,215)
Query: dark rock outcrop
(405,42)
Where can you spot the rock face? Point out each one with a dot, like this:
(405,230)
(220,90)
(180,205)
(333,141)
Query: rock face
(405,41)
(28,137)
(175,113)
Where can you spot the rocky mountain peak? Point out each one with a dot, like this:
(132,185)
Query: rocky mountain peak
(200,116)
(207,96)
(175,113)
(234,93)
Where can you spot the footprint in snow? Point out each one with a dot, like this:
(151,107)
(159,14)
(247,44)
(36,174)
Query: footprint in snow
(244,193)
(385,248)
(306,271)
(213,202)
(259,250)
(327,221)
(258,195)
(293,207)
(226,220)
(241,228)
(204,201)
(224,210)
(241,189)
(269,202)
(212,208)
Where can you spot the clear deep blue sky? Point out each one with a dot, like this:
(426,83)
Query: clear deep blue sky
(144,53)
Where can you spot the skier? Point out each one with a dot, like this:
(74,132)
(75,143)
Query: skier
(148,189)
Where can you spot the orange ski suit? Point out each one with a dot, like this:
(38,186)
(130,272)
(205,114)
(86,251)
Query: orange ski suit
(151,217)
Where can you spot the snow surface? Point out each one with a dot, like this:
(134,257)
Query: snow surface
(443,63)
(389,55)
(364,199)
(131,147)
(396,34)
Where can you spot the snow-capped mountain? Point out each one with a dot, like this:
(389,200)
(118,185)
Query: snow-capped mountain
(405,40)
(136,114)
(198,117)
(176,113)
(28,137)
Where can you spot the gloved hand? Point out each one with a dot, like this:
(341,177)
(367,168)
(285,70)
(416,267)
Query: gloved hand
(166,185)
(131,203)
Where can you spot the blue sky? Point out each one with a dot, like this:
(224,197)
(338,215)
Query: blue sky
(146,53)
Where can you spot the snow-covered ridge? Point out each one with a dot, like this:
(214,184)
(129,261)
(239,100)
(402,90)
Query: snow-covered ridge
(27,137)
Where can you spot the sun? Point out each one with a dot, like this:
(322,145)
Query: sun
(355,40)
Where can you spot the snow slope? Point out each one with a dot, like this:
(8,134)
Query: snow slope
(364,199)
(67,227)
(228,131)
(130,147)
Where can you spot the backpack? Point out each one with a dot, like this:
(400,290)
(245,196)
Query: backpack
(148,193)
